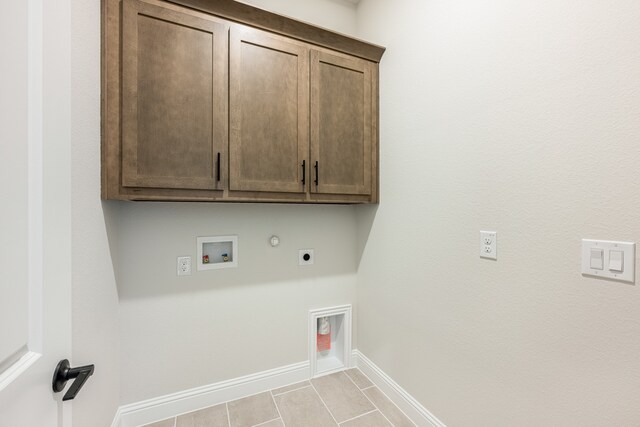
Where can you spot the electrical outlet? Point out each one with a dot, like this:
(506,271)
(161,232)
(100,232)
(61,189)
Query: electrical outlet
(184,266)
(305,257)
(489,244)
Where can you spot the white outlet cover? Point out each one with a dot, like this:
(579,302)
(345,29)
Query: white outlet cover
(183,267)
(301,254)
(489,244)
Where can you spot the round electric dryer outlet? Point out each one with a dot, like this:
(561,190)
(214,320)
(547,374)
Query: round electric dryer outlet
(305,257)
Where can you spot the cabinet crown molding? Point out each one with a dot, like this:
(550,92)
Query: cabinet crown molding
(283,25)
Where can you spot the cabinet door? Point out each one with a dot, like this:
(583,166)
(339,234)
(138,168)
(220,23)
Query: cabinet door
(341,132)
(269,105)
(174,99)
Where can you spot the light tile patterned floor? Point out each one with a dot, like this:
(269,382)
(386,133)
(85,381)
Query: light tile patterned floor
(345,399)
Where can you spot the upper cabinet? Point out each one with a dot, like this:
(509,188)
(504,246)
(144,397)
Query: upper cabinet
(174,99)
(269,104)
(342,141)
(220,101)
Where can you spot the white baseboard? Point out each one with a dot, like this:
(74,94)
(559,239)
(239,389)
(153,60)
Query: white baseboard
(163,407)
(410,406)
(160,408)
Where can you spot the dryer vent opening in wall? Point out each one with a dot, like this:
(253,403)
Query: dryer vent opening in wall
(329,339)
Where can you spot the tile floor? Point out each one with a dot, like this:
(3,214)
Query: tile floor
(347,399)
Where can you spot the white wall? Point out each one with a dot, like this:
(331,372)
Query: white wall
(336,15)
(182,332)
(520,117)
(95,299)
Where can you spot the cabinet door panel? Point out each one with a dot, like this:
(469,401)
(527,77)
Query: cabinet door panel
(268,112)
(174,105)
(341,132)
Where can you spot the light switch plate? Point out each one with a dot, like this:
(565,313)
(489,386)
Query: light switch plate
(489,244)
(611,267)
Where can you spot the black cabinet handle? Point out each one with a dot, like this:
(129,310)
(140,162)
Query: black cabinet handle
(304,173)
(218,168)
(64,372)
(316,167)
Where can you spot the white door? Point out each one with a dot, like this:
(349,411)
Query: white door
(35,210)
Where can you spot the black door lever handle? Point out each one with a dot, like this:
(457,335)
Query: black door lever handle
(64,372)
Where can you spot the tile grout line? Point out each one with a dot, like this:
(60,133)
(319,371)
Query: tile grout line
(226,405)
(250,395)
(266,422)
(175,421)
(276,405)
(383,393)
(322,400)
(289,391)
(394,404)
(361,415)
(387,397)
(363,374)
(370,401)
(346,371)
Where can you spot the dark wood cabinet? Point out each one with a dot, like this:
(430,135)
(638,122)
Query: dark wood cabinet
(174,99)
(221,101)
(269,104)
(342,137)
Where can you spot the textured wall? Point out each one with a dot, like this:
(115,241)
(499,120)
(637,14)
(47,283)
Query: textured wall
(520,117)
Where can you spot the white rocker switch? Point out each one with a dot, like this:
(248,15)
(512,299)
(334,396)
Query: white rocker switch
(597,259)
(616,261)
